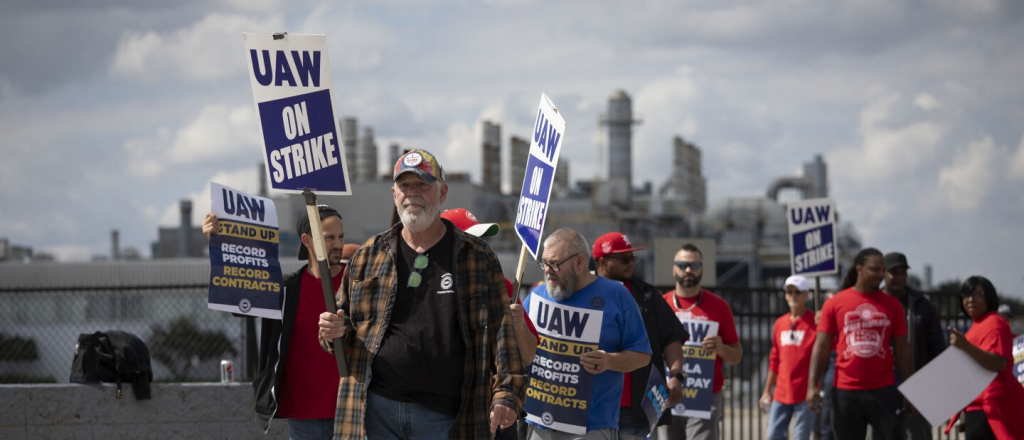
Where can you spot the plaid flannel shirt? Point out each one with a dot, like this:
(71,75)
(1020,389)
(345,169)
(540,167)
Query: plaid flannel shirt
(494,371)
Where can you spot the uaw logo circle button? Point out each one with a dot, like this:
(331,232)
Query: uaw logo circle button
(547,418)
(244,305)
(597,302)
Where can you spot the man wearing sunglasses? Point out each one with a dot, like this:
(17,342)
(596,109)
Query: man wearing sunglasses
(689,301)
(292,368)
(622,346)
(424,316)
(789,366)
(613,254)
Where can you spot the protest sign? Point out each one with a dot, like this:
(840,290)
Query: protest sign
(245,274)
(545,146)
(698,369)
(946,385)
(291,85)
(655,400)
(558,392)
(1018,359)
(812,237)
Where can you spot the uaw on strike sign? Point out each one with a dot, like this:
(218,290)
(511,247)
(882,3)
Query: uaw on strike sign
(558,393)
(245,273)
(291,84)
(812,237)
(545,146)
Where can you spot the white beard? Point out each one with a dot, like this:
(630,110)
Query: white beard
(418,222)
(563,290)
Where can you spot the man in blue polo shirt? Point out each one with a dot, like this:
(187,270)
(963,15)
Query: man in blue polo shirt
(622,345)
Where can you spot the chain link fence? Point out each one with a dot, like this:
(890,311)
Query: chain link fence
(42,315)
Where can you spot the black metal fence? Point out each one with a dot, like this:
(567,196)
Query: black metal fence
(40,326)
(755,312)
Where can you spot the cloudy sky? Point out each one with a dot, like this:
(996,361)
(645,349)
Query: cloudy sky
(113,111)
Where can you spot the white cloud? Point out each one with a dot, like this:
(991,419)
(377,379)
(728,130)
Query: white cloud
(208,50)
(926,102)
(462,144)
(356,43)
(1016,171)
(245,180)
(967,181)
(216,134)
(886,151)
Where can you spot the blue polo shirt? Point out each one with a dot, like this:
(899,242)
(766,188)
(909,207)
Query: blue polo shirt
(622,329)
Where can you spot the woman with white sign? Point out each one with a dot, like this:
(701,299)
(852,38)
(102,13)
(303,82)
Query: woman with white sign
(996,412)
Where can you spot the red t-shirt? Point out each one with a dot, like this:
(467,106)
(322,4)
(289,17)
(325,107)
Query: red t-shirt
(790,359)
(863,325)
(309,388)
(1004,395)
(711,308)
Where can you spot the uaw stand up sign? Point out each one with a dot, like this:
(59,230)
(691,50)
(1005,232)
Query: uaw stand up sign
(558,393)
(245,274)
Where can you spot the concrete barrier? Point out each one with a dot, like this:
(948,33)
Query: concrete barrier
(177,410)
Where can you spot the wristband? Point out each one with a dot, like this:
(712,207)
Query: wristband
(678,376)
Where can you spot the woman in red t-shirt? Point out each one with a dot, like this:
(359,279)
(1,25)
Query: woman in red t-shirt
(996,412)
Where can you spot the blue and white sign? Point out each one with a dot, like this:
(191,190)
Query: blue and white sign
(548,131)
(812,237)
(292,87)
(698,369)
(558,392)
(245,273)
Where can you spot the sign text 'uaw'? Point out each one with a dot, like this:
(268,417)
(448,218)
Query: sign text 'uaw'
(812,237)
(545,146)
(291,84)
(245,273)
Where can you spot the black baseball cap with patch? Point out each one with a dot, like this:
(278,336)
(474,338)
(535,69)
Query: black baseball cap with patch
(303,226)
(894,260)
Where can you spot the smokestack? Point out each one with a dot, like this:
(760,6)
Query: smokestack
(184,235)
(348,139)
(927,277)
(115,245)
(491,156)
(366,157)
(264,189)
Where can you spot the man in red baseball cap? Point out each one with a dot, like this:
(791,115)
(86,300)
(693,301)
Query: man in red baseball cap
(613,254)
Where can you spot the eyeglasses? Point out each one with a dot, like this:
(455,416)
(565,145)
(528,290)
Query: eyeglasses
(554,266)
(626,259)
(415,278)
(682,265)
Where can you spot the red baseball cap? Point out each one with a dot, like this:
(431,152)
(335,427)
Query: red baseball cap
(467,222)
(613,243)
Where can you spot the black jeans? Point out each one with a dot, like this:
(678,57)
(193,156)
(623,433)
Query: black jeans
(977,426)
(853,411)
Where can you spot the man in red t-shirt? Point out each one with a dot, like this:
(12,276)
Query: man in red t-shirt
(863,320)
(295,378)
(788,366)
(690,302)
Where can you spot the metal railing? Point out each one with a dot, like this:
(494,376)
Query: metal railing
(40,326)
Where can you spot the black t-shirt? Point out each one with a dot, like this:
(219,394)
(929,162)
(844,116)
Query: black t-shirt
(423,354)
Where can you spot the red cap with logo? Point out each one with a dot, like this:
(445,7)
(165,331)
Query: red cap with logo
(467,222)
(613,243)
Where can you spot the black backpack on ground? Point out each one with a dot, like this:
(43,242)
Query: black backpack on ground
(113,356)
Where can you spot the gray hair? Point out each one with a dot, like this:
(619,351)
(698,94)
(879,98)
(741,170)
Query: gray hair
(573,240)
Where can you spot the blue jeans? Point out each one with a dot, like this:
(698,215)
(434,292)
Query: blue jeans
(310,429)
(391,419)
(779,416)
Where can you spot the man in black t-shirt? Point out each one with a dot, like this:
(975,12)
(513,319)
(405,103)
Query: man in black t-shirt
(613,254)
(424,316)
